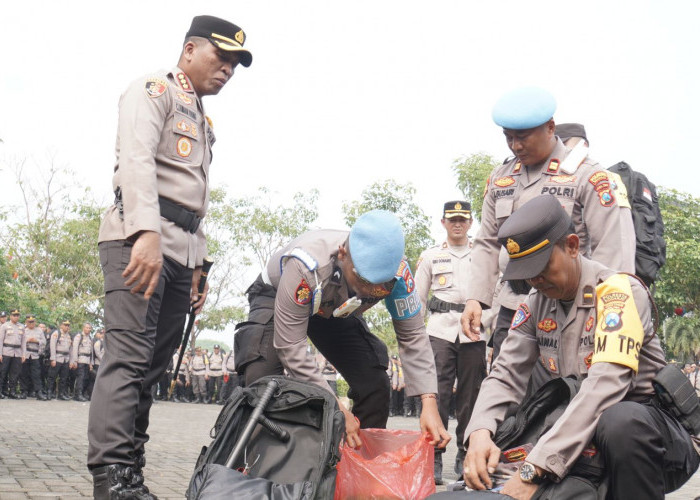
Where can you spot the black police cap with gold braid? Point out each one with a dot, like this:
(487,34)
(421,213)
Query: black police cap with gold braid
(225,35)
(457,209)
(529,236)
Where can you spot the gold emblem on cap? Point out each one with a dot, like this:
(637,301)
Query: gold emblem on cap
(512,246)
(458,206)
(240,37)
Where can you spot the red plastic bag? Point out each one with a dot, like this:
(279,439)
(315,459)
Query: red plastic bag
(390,464)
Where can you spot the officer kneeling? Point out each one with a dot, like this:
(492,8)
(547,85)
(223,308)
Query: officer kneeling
(588,322)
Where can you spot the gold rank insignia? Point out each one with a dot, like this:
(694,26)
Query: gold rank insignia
(184,82)
(442,280)
(512,246)
(240,37)
(184,98)
(458,206)
(553,167)
(211,123)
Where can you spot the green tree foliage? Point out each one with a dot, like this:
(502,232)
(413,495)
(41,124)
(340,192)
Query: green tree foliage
(679,282)
(682,337)
(472,173)
(394,197)
(50,248)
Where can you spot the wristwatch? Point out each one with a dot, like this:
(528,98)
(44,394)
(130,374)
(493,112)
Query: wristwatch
(528,474)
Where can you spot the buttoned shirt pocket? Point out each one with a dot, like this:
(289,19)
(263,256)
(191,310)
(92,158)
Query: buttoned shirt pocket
(504,207)
(442,275)
(187,141)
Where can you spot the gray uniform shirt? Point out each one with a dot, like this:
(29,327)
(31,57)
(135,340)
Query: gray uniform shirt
(587,196)
(542,332)
(216,364)
(288,273)
(82,349)
(163,149)
(12,339)
(230,363)
(35,343)
(60,346)
(98,348)
(444,270)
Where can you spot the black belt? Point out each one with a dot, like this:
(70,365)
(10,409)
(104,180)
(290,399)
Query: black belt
(32,350)
(180,216)
(63,352)
(12,345)
(441,306)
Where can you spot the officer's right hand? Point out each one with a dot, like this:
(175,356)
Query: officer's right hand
(481,461)
(352,428)
(145,264)
(471,320)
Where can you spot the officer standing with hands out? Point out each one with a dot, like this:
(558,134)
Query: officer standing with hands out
(541,165)
(152,245)
(593,324)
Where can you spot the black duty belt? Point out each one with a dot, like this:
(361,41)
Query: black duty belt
(12,345)
(32,350)
(198,369)
(178,215)
(441,306)
(63,352)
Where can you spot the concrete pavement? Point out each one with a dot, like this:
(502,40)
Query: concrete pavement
(44,445)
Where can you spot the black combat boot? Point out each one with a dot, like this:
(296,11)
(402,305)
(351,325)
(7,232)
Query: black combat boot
(437,474)
(41,396)
(64,397)
(115,482)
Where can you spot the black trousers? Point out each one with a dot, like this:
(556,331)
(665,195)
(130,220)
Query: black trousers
(61,370)
(647,453)
(500,332)
(10,368)
(359,356)
(140,337)
(92,376)
(30,379)
(466,363)
(82,375)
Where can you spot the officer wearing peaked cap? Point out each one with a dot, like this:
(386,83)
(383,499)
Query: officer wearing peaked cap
(540,165)
(571,325)
(152,244)
(12,352)
(317,287)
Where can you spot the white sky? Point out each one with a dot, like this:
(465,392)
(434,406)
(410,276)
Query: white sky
(341,94)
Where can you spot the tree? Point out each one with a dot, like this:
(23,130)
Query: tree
(390,195)
(682,336)
(472,173)
(679,281)
(51,249)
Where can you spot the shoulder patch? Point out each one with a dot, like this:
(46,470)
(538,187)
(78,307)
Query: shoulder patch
(302,295)
(403,302)
(619,332)
(155,87)
(522,314)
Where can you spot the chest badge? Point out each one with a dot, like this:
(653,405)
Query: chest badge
(547,325)
(184,147)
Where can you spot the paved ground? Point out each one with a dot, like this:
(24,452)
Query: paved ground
(44,446)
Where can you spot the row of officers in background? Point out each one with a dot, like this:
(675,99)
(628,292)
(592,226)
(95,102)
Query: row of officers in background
(43,362)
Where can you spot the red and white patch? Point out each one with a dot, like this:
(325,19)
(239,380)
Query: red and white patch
(302,295)
(547,325)
(155,87)
(589,324)
(504,182)
(598,177)
(184,147)
(647,194)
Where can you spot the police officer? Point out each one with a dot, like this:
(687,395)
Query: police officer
(231,379)
(60,348)
(573,325)
(199,374)
(318,285)
(216,374)
(13,345)
(541,165)
(444,271)
(31,370)
(183,377)
(151,242)
(81,361)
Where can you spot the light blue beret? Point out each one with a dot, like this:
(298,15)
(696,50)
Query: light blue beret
(524,108)
(377,246)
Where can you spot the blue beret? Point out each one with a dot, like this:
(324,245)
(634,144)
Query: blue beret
(524,108)
(377,246)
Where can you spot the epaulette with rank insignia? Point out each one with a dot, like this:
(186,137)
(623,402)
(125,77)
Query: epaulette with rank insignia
(184,82)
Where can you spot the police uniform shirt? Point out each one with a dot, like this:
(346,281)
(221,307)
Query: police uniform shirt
(60,345)
(288,271)
(12,339)
(35,342)
(229,363)
(163,149)
(98,348)
(81,351)
(594,342)
(216,362)
(199,365)
(586,195)
(444,270)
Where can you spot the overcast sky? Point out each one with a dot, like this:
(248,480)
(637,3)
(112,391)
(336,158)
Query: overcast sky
(343,93)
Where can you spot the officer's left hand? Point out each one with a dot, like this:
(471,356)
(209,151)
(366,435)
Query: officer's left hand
(519,490)
(431,423)
(197,301)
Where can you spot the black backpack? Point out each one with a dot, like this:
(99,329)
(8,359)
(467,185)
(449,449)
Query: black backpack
(648,224)
(292,455)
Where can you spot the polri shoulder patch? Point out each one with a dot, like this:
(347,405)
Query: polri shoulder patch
(155,87)
(522,314)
